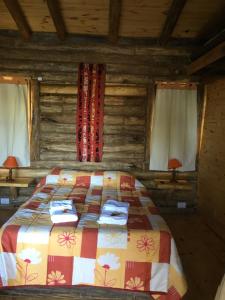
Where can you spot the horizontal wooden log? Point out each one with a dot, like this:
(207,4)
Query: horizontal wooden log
(57,127)
(47,41)
(52,109)
(108,139)
(120,101)
(83,165)
(133,158)
(54,73)
(56,138)
(58,99)
(74,292)
(60,146)
(33,66)
(121,120)
(108,129)
(57,156)
(126,148)
(123,155)
(124,129)
(71,147)
(108,120)
(62,99)
(71,77)
(109,90)
(136,111)
(87,56)
(58,118)
(128,110)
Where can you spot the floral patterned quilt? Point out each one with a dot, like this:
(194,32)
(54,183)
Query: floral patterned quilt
(140,256)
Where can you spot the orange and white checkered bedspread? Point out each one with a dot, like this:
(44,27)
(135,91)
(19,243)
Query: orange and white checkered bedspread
(139,256)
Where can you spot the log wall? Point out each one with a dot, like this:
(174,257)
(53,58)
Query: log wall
(130,73)
(124,124)
(211,179)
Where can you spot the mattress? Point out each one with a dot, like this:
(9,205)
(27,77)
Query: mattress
(139,256)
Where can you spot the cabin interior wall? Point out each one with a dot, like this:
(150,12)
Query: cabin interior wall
(129,77)
(211,187)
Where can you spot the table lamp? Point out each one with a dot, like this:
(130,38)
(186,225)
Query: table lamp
(174,164)
(10,163)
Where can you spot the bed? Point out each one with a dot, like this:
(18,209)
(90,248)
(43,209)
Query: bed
(140,256)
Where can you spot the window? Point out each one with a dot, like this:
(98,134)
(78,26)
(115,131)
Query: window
(174,126)
(14,120)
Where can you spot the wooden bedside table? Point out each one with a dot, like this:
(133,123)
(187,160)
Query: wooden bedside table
(169,195)
(17,183)
(167,184)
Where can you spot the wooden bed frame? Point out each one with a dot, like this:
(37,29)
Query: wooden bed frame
(75,293)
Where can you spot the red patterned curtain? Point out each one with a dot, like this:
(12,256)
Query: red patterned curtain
(90,101)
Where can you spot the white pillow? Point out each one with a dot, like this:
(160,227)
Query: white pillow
(138,184)
(52,179)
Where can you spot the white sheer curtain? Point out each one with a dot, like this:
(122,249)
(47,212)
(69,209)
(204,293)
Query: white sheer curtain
(174,128)
(14,138)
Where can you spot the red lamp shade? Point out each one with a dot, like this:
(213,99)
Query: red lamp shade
(174,163)
(10,162)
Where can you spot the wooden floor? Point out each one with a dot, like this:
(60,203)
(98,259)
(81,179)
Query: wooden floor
(202,253)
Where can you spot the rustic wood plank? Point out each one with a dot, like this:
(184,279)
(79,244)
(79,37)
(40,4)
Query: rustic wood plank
(117,90)
(121,120)
(202,254)
(171,20)
(70,147)
(83,165)
(75,293)
(115,156)
(148,117)
(213,31)
(114,20)
(54,9)
(53,137)
(210,57)
(35,128)
(74,57)
(127,110)
(124,129)
(48,41)
(109,129)
(19,18)
(211,189)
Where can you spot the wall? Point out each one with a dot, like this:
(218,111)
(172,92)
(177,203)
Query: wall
(131,71)
(124,124)
(211,179)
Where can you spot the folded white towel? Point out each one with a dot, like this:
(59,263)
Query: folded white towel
(60,205)
(40,195)
(27,213)
(116,206)
(67,215)
(109,217)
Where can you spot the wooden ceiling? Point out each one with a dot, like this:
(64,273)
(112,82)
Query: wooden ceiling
(193,19)
(195,22)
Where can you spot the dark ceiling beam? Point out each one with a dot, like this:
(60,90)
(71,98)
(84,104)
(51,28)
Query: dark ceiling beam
(208,58)
(114,20)
(214,30)
(19,18)
(54,9)
(171,20)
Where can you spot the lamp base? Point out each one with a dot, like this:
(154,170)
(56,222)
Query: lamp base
(173,179)
(9,178)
